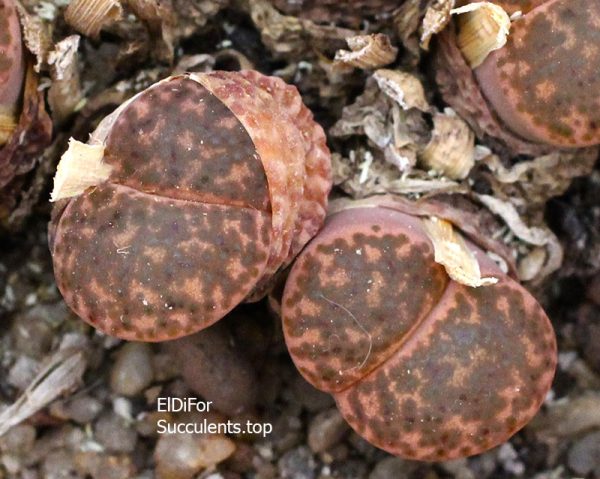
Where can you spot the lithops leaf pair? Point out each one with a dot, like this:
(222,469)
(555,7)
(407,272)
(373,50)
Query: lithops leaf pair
(420,365)
(187,200)
(542,85)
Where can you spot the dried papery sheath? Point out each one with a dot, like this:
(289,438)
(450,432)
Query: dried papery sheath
(452,252)
(483,28)
(451,149)
(349,12)
(90,16)
(367,52)
(80,167)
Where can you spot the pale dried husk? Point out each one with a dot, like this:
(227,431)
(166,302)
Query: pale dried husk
(483,28)
(367,52)
(404,88)
(451,150)
(159,17)
(65,94)
(437,16)
(8,123)
(451,251)
(61,374)
(80,167)
(289,36)
(90,16)
(36,36)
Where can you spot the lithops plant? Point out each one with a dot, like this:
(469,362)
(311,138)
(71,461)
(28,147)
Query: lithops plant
(350,12)
(12,68)
(541,86)
(186,201)
(25,127)
(419,364)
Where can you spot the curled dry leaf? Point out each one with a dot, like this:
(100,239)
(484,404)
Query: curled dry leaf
(483,28)
(192,15)
(451,251)
(292,37)
(392,113)
(437,16)
(362,174)
(62,373)
(389,114)
(37,37)
(351,13)
(367,52)
(159,17)
(533,235)
(541,178)
(80,167)
(90,16)
(65,93)
(405,88)
(451,150)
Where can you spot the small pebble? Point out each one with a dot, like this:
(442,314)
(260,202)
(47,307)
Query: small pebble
(569,418)
(22,372)
(81,409)
(392,467)
(587,334)
(287,432)
(58,464)
(584,455)
(132,370)
(115,434)
(326,429)
(209,356)
(181,456)
(349,469)
(510,459)
(32,331)
(459,468)
(18,439)
(102,466)
(297,464)
(242,460)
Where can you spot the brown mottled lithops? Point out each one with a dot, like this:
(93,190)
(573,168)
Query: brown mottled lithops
(539,88)
(25,127)
(12,68)
(185,202)
(419,364)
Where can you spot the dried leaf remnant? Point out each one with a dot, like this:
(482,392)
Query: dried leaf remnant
(452,252)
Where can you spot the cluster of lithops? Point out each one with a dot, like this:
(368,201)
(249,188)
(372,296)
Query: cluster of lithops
(541,87)
(419,364)
(350,12)
(186,201)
